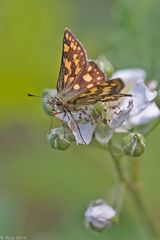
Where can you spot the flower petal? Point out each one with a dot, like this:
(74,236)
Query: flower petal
(142,96)
(148,114)
(103,133)
(99,215)
(82,132)
(115,118)
(134,80)
(81,129)
(121,114)
(130,75)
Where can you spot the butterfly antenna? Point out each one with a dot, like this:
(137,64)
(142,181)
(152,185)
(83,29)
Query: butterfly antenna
(39,96)
(51,124)
(33,95)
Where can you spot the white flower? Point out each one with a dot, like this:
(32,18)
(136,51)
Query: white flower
(99,215)
(117,112)
(141,108)
(113,116)
(144,109)
(148,114)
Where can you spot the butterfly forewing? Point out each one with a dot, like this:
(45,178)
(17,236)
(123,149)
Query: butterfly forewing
(72,63)
(90,76)
(80,81)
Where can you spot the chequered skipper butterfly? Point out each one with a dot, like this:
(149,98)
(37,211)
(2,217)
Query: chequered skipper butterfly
(81,82)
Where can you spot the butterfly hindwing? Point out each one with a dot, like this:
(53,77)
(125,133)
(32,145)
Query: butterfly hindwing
(104,92)
(89,77)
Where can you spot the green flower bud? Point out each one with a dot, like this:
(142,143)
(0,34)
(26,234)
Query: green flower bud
(133,144)
(100,215)
(105,66)
(47,93)
(60,138)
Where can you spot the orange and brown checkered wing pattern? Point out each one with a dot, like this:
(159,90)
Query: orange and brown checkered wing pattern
(72,63)
(80,81)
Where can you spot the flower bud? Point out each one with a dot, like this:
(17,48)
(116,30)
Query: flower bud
(45,96)
(133,144)
(100,215)
(60,138)
(105,66)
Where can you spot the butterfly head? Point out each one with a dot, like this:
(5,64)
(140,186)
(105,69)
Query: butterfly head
(56,105)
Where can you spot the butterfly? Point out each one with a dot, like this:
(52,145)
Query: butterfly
(81,83)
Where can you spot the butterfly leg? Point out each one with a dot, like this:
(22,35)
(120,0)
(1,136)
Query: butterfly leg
(64,128)
(51,124)
(63,122)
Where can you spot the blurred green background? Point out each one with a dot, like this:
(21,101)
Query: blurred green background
(43,193)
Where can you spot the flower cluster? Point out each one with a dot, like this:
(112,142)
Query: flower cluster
(100,121)
(103,119)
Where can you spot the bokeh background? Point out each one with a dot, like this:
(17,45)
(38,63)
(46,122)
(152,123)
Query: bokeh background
(43,192)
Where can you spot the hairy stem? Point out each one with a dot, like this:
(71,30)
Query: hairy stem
(134,192)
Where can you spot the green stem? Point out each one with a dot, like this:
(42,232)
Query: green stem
(152,128)
(134,169)
(134,191)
